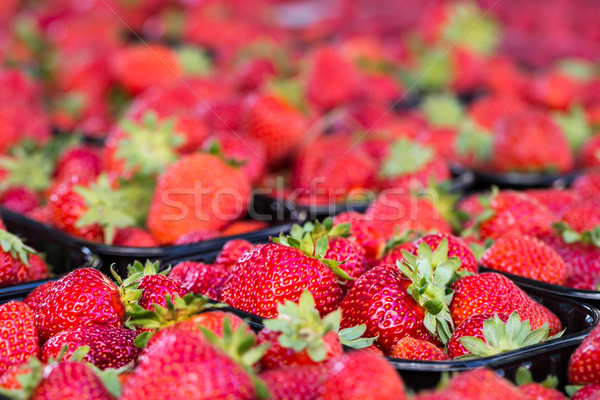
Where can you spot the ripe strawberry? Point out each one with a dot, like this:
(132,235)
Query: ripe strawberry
(16,259)
(239,227)
(194,130)
(38,294)
(588,392)
(138,67)
(557,200)
(409,348)
(200,278)
(590,152)
(83,161)
(481,384)
(297,382)
(19,199)
(205,176)
(82,297)
(525,256)
(152,286)
(490,293)
(509,210)
(374,380)
(38,269)
(18,335)
(553,90)
(581,259)
(457,247)
(581,219)
(510,334)
(363,233)
(332,79)
(252,74)
(350,255)
(232,251)
(276,125)
(256,285)
(583,366)
(537,391)
(196,237)
(587,184)
(110,346)
(518,138)
(487,110)
(134,237)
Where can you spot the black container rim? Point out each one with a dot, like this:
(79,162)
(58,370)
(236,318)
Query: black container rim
(519,179)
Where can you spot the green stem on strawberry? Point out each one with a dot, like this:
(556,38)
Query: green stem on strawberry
(486,214)
(523,377)
(501,337)
(432,274)
(444,200)
(14,245)
(571,236)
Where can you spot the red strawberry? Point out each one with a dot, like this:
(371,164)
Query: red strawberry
(510,334)
(590,152)
(332,79)
(16,260)
(205,176)
(297,382)
(18,335)
(134,237)
(583,366)
(138,67)
(487,110)
(278,126)
(553,90)
(350,255)
(518,138)
(587,184)
(374,380)
(252,74)
(490,293)
(481,384)
(457,247)
(557,200)
(232,251)
(82,161)
(71,380)
(153,287)
(19,199)
(38,295)
(582,217)
(363,233)
(588,392)
(196,237)
(409,348)
(545,390)
(525,256)
(200,278)
(110,346)
(38,269)
(239,227)
(274,273)
(82,297)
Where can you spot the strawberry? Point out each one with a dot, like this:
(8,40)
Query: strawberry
(38,294)
(110,346)
(557,200)
(232,250)
(484,335)
(487,110)
(590,152)
(83,161)
(587,184)
(517,140)
(580,222)
(480,384)
(252,74)
(537,391)
(205,176)
(525,256)
(276,125)
(38,269)
(196,237)
(583,365)
(16,259)
(588,392)
(134,237)
(138,67)
(297,382)
(200,278)
(239,227)
(410,165)
(553,90)
(363,233)
(255,285)
(409,348)
(19,199)
(18,334)
(82,297)
(457,247)
(490,293)
(374,380)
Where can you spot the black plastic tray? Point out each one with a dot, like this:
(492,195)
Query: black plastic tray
(60,248)
(462,182)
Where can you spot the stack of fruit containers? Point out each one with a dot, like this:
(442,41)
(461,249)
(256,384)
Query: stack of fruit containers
(278,192)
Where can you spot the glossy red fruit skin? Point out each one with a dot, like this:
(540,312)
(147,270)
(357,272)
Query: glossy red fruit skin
(19,199)
(526,256)
(82,161)
(581,259)
(457,247)
(69,380)
(37,268)
(482,384)
(587,184)
(183,364)
(134,237)
(38,294)
(394,255)
(583,216)
(231,252)
(588,392)
(472,326)
(110,346)
(278,356)
(343,250)
(83,297)
(535,391)
(12,270)
(557,200)
(584,366)
(18,335)
(154,289)
(363,233)
(200,278)
(196,237)
(272,274)
(409,348)
(297,383)
(374,380)
(379,300)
